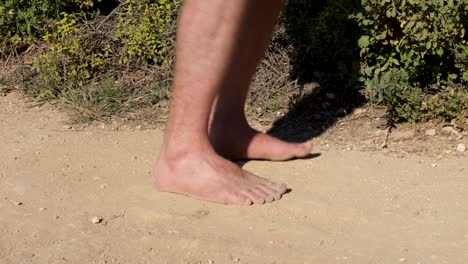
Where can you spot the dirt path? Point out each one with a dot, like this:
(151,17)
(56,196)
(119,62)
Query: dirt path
(345,207)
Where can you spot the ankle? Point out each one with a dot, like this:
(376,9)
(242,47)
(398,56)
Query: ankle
(178,150)
(228,121)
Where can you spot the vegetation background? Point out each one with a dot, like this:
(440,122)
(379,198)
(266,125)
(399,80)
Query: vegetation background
(106,58)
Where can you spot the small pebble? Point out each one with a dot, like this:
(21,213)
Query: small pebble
(359,111)
(17,203)
(461,147)
(434,165)
(402,260)
(134,158)
(431,132)
(96,220)
(451,130)
(210,261)
(42,209)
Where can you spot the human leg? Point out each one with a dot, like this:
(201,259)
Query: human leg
(230,134)
(206,52)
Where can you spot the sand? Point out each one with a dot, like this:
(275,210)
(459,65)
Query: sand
(344,207)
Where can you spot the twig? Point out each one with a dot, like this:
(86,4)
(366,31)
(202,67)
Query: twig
(389,131)
(8,59)
(29,49)
(390,126)
(109,16)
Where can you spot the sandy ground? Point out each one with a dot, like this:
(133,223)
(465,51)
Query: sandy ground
(345,206)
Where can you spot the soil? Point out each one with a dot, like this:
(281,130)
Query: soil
(83,194)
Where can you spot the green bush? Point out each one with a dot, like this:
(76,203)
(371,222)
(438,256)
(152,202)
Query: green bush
(411,55)
(425,38)
(83,58)
(23,21)
(146,29)
(411,50)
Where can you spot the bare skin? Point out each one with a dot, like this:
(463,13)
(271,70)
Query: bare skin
(236,140)
(219,44)
(231,135)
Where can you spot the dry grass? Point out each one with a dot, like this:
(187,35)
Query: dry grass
(141,91)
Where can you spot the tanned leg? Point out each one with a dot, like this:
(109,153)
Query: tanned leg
(207,50)
(231,135)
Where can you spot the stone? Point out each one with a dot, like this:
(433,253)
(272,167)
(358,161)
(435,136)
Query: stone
(461,147)
(359,111)
(450,130)
(96,220)
(431,132)
(402,135)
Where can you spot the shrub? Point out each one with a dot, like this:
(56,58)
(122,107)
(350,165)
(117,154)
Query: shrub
(425,42)
(85,58)
(146,29)
(424,38)
(23,21)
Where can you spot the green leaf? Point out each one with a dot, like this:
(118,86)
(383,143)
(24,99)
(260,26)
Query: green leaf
(363,41)
(440,51)
(428,45)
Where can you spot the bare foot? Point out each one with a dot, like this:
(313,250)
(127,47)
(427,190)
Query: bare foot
(208,176)
(243,142)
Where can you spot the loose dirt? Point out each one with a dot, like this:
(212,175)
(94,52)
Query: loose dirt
(72,195)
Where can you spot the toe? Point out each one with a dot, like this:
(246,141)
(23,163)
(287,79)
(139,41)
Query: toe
(254,197)
(275,195)
(239,199)
(267,195)
(277,187)
(281,188)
